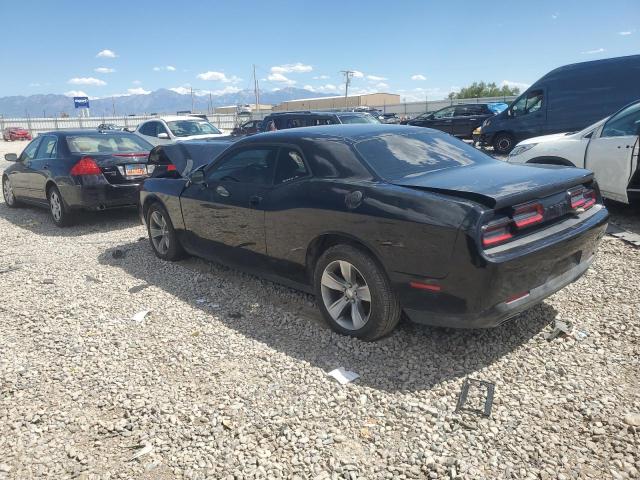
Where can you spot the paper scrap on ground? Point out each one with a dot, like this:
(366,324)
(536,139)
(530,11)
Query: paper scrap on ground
(143,451)
(138,317)
(343,376)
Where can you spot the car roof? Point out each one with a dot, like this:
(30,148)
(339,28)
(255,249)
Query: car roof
(350,133)
(173,118)
(313,113)
(85,131)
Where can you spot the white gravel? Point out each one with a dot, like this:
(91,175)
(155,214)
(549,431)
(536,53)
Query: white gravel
(225,377)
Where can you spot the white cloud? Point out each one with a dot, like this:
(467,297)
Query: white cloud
(357,74)
(166,68)
(417,76)
(170,68)
(75,93)
(327,88)
(96,82)
(522,86)
(226,90)
(593,52)
(34,84)
(137,82)
(292,68)
(554,16)
(382,85)
(181,90)
(106,53)
(104,70)
(138,91)
(322,77)
(375,78)
(278,77)
(625,33)
(218,77)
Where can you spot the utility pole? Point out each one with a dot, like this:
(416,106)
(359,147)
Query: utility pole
(256,89)
(348,75)
(113,105)
(191,99)
(210,105)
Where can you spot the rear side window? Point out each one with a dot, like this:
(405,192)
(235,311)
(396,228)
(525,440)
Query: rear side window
(290,166)
(394,156)
(106,144)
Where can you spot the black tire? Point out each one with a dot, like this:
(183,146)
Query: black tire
(60,212)
(383,310)
(503,143)
(10,199)
(174,250)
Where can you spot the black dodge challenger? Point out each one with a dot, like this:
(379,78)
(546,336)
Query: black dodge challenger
(377,220)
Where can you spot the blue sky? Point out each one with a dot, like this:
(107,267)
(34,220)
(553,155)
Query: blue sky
(414,48)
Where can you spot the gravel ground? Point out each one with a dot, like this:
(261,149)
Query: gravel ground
(226,377)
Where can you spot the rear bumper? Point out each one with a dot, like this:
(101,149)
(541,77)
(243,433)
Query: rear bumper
(102,196)
(483,291)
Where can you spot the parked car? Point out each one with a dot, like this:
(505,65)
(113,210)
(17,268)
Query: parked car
(285,120)
(243,110)
(458,120)
(10,134)
(247,128)
(609,148)
(390,118)
(178,160)
(380,219)
(566,99)
(168,129)
(71,170)
(110,126)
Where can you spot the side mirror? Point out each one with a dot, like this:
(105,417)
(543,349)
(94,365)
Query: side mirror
(11,157)
(163,136)
(197,177)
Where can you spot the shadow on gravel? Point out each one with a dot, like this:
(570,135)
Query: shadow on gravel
(414,357)
(625,216)
(39,221)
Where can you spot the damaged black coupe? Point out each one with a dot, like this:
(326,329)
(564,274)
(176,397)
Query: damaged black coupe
(377,220)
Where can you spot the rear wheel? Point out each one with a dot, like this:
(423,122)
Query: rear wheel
(7,192)
(162,235)
(354,294)
(60,212)
(503,143)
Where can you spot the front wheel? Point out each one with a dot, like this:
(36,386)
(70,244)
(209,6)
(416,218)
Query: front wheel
(60,212)
(503,143)
(162,235)
(354,294)
(7,192)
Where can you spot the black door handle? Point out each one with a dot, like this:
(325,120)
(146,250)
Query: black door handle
(255,200)
(45,166)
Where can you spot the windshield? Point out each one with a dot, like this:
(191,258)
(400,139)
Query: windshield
(357,119)
(497,107)
(393,156)
(105,144)
(187,128)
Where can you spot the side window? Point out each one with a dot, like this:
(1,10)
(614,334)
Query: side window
(280,123)
(29,153)
(148,128)
(444,113)
(625,123)
(290,166)
(529,103)
(47,147)
(462,112)
(253,165)
(296,122)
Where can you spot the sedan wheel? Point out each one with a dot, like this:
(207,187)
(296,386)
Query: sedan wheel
(346,295)
(60,213)
(354,294)
(162,235)
(159,233)
(7,191)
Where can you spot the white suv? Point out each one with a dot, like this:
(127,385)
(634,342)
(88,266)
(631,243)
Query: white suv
(168,129)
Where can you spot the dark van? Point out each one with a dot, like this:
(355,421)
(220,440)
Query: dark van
(566,99)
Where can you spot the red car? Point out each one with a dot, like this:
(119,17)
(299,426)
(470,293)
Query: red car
(15,133)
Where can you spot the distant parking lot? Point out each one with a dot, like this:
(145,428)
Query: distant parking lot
(225,376)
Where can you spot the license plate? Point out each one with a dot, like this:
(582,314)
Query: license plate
(135,170)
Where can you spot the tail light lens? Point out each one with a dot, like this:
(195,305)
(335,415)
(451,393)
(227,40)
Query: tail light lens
(86,166)
(496,232)
(582,198)
(171,168)
(527,215)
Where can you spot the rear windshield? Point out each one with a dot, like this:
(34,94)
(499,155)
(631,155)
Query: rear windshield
(358,119)
(393,156)
(100,143)
(187,128)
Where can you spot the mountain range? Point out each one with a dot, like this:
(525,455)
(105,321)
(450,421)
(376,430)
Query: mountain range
(158,101)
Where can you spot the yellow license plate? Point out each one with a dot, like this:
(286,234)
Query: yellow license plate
(135,170)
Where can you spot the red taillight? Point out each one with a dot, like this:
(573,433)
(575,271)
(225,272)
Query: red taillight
(425,286)
(527,215)
(496,232)
(582,198)
(86,166)
(171,168)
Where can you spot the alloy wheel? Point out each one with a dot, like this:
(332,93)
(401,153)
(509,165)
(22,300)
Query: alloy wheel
(56,205)
(346,295)
(7,190)
(159,232)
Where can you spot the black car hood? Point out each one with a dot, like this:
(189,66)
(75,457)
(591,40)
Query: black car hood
(187,156)
(498,184)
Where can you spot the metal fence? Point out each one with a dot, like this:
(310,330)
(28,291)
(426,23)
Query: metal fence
(225,122)
(39,125)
